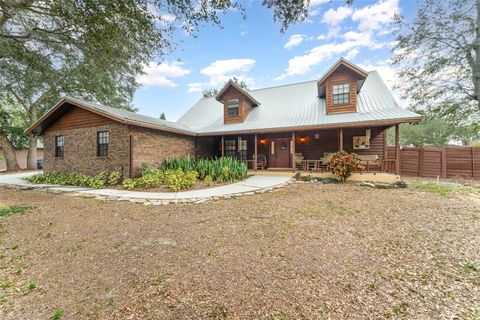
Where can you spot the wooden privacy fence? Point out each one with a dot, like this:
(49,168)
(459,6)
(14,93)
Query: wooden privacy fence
(449,162)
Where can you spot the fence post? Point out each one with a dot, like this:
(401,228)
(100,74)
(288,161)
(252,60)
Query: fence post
(397,149)
(473,162)
(421,160)
(444,163)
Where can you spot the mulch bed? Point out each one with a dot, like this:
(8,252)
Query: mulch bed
(307,251)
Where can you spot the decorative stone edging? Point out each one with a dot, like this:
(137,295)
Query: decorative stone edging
(144,201)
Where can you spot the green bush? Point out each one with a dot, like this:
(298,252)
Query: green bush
(343,164)
(224,169)
(208,180)
(151,178)
(177,180)
(76,179)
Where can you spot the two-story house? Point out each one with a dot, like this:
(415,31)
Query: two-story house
(347,109)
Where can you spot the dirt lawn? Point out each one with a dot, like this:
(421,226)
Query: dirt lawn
(302,252)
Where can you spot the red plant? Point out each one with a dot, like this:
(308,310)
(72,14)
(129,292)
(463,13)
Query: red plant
(344,164)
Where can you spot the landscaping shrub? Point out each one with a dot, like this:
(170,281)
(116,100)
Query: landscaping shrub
(224,169)
(151,178)
(208,180)
(175,180)
(76,179)
(344,164)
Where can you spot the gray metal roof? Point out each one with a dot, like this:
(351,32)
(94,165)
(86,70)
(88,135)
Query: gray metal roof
(129,116)
(298,105)
(289,106)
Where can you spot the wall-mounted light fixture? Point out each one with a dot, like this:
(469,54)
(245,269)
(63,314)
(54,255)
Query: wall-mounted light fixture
(263,141)
(317,135)
(303,139)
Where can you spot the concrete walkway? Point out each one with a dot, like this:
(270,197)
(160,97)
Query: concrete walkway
(250,186)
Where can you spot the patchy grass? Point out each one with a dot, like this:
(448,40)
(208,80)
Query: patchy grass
(433,187)
(308,251)
(15,209)
(58,314)
(471,266)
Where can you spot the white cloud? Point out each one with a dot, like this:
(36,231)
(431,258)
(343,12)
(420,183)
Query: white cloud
(221,70)
(159,74)
(314,9)
(302,64)
(352,54)
(294,41)
(373,20)
(375,16)
(195,87)
(333,17)
(314,3)
(167,17)
(388,75)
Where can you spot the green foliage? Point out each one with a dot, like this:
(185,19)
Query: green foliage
(344,164)
(432,187)
(58,314)
(436,54)
(13,121)
(2,159)
(151,178)
(9,210)
(435,132)
(32,285)
(471,266)
(223,169)
(162,116)
(177,180)
(208,180)
(76,179)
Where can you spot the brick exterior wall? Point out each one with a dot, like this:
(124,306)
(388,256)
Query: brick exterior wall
(80,150)
(152,147)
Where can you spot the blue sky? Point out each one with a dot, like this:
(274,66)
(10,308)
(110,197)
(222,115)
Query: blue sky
(255,51)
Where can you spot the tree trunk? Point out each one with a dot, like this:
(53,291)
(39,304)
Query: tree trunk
(32,153)
(476,70)
(9,153)
(32,144)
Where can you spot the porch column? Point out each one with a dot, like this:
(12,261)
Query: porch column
(293,151)
(397,149)
(255,154)
(340,139)
(223,146)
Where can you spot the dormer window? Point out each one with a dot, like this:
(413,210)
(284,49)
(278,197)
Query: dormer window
(341,93)
(233,107)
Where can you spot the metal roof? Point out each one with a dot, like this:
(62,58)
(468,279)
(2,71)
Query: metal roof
(294,106)
(297,105)
(120,115)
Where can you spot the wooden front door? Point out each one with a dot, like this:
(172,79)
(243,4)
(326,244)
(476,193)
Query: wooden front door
(280,153)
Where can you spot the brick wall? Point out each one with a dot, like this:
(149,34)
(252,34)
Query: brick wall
(152,147)
(80,151)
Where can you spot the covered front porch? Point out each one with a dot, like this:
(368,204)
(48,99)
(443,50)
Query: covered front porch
(306,150)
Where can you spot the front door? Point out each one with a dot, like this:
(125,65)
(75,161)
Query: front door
(280,153)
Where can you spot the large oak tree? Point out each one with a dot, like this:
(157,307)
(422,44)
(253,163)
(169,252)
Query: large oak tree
(94,49)
(438,55)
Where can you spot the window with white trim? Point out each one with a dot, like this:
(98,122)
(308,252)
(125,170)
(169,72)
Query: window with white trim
(341,93)
(233,106)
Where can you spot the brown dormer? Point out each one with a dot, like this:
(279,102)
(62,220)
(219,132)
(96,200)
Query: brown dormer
(237,103)
(340,85)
